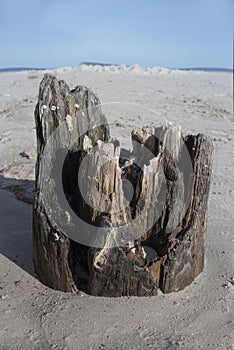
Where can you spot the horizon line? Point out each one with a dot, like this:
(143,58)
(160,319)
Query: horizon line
(27,68)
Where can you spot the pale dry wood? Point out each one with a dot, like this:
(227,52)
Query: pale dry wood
(162,241)
(58,105)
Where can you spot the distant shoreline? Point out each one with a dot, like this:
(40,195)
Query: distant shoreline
(203,69)
(20,69)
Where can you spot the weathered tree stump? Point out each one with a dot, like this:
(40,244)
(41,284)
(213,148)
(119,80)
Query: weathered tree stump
(109,221)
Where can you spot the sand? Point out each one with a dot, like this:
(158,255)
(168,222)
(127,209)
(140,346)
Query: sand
(34,316)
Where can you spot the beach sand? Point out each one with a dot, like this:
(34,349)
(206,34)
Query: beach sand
(34,316)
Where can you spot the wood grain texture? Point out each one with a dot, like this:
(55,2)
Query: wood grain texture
(149,206)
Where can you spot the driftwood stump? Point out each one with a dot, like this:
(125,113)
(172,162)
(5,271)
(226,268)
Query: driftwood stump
(109,221)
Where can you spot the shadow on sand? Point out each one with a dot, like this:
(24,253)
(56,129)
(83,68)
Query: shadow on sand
(16,222)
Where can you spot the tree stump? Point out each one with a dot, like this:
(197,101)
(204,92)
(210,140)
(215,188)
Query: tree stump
(110,221)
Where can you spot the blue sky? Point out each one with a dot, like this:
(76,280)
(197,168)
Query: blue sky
(168,33)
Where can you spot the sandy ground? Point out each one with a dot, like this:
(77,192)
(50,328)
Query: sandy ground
(33,316)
